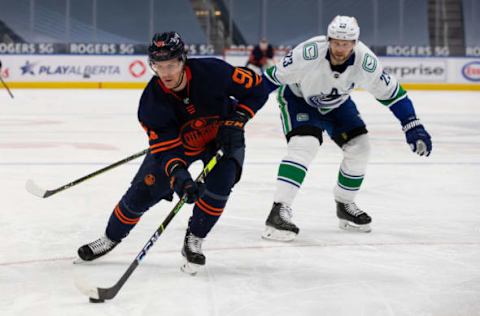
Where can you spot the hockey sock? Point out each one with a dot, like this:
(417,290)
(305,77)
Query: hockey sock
(294,166)
(121,222)
(352,169)
(209,207)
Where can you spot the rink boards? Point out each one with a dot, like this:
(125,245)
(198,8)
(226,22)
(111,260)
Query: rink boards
(132,71)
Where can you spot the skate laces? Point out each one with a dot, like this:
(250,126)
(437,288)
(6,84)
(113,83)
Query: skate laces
(101,245)
(353,209)
(285,213)
(194,243)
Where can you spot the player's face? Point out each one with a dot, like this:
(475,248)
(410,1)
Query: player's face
(169,71)
(340,50)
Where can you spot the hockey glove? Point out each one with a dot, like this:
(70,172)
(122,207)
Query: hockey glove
(231,135)
(182,183)
(417,137)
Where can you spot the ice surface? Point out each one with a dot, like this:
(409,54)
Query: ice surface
(422,257)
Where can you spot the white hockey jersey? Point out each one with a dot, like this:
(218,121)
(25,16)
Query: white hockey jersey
(308,73)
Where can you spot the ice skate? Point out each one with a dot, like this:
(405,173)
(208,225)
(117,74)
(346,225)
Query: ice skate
(96,248)
(352,218)
(279,225)
(192,252)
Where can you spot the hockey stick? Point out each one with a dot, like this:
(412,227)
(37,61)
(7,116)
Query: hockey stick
(6,87)
(34,189)
(99,295)
(3,82)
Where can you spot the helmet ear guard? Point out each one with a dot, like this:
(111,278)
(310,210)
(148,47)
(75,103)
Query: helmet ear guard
(344,28)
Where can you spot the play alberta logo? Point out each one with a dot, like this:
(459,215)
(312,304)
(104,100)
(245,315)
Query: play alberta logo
(471,71)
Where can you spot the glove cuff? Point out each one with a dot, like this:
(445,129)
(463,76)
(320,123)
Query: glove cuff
(241,116)
(174,167)
(412,124)
(238,120)
(245,110)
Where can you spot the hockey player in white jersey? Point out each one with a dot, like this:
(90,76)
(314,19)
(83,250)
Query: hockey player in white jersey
(315,80)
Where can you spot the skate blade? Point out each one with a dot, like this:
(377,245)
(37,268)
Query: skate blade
(352,227)
(271,233)
(191,268)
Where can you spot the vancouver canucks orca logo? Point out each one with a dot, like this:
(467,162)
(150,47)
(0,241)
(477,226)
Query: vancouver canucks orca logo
(324,99)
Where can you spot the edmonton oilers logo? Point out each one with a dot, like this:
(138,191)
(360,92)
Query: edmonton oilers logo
(471,71)
(197,133)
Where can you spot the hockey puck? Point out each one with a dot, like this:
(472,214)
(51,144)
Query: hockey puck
(95,300)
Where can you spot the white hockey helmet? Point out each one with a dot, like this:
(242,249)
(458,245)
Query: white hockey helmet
(344,28)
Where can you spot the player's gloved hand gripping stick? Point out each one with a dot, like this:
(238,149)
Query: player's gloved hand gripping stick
(183,184)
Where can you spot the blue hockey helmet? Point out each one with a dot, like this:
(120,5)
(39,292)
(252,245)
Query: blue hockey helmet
(166,46)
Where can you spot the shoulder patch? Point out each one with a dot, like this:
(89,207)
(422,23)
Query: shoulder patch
(369,63)
(310,51)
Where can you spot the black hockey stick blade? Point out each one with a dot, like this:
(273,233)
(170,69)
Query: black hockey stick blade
(102,294)
(36,190)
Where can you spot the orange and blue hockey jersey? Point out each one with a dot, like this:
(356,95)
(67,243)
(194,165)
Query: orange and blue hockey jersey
(180,125)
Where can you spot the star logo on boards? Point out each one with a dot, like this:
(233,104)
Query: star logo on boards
(28,68)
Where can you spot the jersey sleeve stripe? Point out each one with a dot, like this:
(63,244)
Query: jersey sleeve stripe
(401,94)
(394,93)
(165,143)
(158,150)
(271,74)
(247,109)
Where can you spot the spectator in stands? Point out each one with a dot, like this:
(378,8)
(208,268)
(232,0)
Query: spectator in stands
(261,57)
